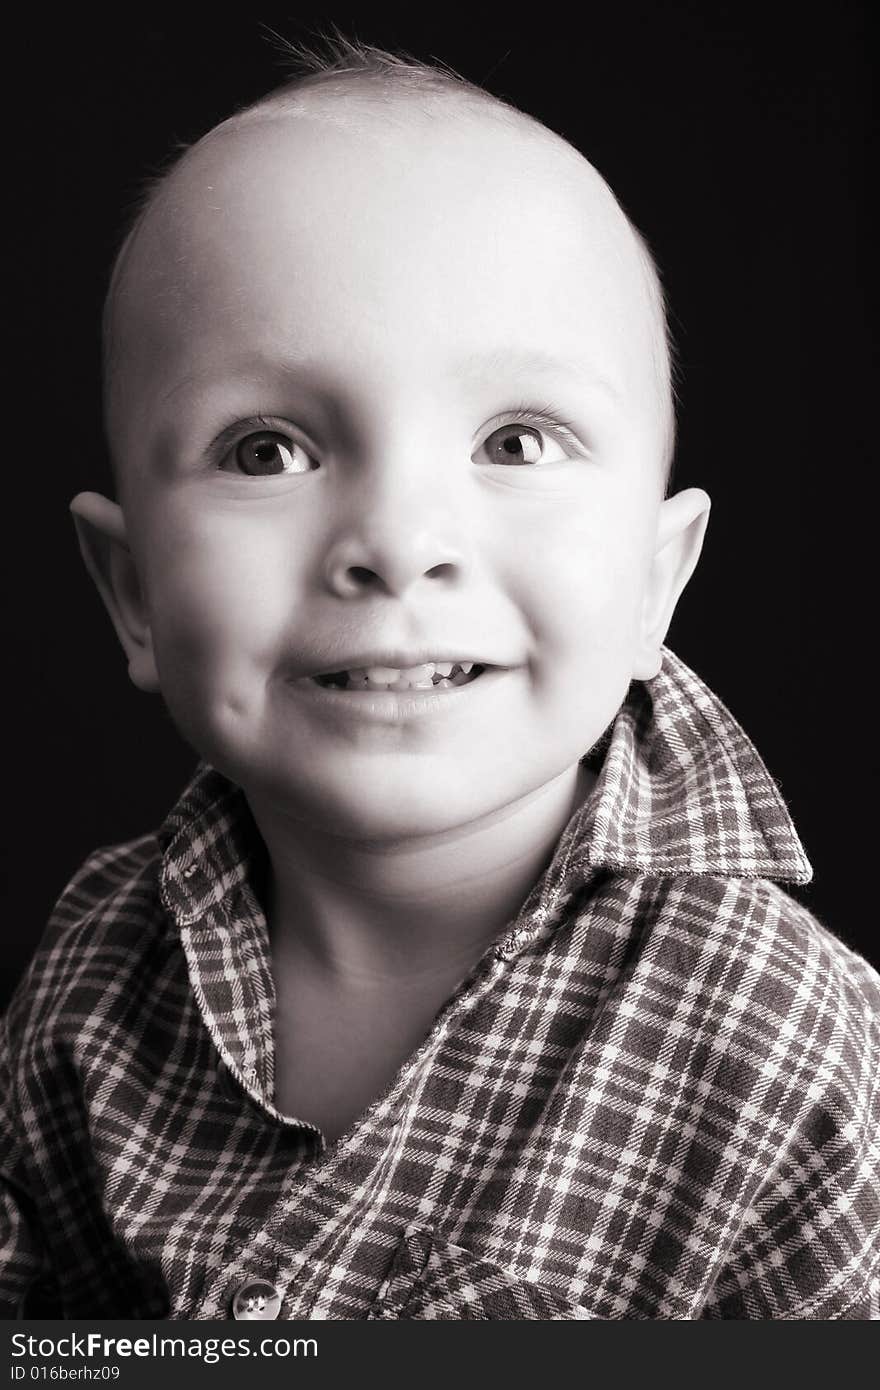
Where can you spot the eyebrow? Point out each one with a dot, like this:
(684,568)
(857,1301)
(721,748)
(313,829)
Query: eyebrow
(528,361)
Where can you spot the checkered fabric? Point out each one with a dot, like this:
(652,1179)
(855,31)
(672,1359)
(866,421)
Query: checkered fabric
(655,1096)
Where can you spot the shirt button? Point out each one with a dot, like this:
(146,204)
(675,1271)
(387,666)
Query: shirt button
(256,1302)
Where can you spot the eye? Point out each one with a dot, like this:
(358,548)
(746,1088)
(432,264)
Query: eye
(520,444)
(269,454)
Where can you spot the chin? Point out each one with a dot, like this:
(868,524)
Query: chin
(366,818)
(366,808)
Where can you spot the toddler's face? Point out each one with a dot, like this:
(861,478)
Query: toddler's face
(388,401)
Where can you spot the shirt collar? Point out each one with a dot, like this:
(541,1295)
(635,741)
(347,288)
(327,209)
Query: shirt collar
(683,790)
(680,789)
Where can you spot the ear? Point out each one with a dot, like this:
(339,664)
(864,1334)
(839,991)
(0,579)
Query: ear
(100,529)
(681,526)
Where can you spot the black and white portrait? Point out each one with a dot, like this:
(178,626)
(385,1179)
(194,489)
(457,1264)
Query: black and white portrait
(441,766)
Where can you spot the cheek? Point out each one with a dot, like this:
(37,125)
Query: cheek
(218,596)
(580,589)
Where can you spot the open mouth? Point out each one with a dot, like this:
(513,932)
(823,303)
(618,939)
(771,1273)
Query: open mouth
(431,675)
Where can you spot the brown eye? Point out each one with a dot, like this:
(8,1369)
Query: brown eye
(514,444)
(271,455)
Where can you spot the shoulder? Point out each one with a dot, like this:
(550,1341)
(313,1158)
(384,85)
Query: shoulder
(796,1010)
(799,936)
(798,1061)
(775,947)
(776,1021)
(105,922)
(820,1005)
(773,1027)
(112,879)
(809,969)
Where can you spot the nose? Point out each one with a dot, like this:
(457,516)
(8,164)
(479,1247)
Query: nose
(394,538)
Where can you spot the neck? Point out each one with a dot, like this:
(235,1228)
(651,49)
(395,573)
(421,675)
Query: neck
(410,910)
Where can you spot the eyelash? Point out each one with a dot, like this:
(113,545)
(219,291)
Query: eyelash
(234,434)
(543,417)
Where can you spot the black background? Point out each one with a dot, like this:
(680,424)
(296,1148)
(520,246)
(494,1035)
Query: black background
(736,138)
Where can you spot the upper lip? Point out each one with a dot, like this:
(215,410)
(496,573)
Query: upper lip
(397,660)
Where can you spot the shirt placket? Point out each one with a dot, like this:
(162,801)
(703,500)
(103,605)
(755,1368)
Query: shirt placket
(308,1246)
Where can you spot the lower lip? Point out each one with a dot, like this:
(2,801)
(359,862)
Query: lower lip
(396,706)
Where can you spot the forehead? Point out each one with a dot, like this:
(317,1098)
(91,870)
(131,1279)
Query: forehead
(410,246)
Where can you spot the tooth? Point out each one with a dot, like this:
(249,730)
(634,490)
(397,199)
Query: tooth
(444,684)
(418,673)
(357,676)
(443,668)
(424,685)
(400,684)
(381,675)
(467,667)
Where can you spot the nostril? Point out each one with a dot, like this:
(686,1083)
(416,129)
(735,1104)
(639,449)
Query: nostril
(353,581)
(362,576)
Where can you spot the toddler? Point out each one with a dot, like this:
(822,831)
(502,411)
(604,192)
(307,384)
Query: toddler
(458,983)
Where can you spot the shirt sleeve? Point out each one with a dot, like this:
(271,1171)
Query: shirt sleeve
(22,1260)
(809,1247)
(808,1251)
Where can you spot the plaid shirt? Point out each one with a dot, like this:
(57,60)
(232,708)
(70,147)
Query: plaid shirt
(655,1096)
